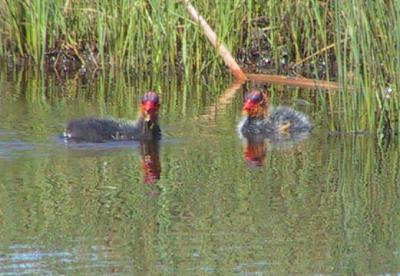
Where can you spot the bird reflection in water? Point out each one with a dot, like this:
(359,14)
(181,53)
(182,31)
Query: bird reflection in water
(254,150)
(150,161)
(255,146)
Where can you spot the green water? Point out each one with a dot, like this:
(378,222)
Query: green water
(327,205)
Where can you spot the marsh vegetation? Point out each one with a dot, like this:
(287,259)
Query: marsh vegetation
(353,42)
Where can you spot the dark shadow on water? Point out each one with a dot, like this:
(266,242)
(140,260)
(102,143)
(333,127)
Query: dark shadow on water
(87,148)
(148,152)
(13,149)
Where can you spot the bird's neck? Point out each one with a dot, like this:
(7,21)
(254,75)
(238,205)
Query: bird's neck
(258,117)
(148,129)
(260,113)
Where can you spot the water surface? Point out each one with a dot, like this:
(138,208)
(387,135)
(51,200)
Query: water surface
(326,205)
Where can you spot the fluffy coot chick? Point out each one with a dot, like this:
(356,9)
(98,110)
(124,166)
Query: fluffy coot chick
(275,122)
(97,130)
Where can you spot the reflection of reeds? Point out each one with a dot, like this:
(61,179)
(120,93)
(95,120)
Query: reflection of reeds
(337,195)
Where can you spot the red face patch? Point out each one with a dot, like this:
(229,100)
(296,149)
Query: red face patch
(249,105)
(149,106)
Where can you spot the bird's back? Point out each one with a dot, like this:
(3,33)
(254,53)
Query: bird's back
(98,130)
(294,121)
(92,130)
(281,120)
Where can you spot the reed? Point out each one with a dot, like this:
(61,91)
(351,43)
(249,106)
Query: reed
(354,42)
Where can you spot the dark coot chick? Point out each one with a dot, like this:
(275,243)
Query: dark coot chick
(276,123)
(98,130)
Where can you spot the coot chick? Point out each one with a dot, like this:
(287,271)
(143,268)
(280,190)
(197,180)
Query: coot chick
(98,130)
(274,123)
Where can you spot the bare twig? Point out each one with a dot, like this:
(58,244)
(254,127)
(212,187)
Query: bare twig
(212,37)
(292,81)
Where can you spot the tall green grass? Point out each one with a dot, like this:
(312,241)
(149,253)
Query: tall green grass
(157,37)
